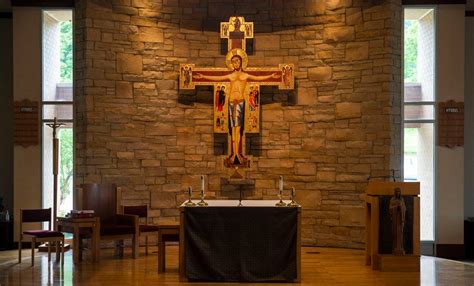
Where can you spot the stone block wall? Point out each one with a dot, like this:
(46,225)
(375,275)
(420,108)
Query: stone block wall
(340,125)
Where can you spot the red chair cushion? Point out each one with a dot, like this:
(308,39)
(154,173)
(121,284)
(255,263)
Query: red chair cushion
(148,228)
(43,233)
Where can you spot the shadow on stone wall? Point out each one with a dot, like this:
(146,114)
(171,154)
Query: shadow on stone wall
(269,16)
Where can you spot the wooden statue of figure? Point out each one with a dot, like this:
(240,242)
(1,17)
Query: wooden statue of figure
(397,216)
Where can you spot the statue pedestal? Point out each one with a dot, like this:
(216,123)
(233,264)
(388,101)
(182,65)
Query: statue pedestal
(378,232)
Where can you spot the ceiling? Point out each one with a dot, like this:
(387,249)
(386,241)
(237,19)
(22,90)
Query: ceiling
(60,15)
(416,13)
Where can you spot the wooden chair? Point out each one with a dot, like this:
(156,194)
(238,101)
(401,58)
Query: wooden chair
(103,198)
(40,235)
(145,229)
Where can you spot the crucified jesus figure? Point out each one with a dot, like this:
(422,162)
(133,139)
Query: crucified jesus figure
(238,81)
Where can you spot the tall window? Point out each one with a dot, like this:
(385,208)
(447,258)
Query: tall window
(419,110)
(58,103)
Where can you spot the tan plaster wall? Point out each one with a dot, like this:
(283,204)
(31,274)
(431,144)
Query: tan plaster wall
(450,162)
(26,85)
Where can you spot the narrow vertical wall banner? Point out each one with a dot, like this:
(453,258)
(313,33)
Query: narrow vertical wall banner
(26,132)
(451,124)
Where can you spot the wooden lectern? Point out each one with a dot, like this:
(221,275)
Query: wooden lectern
(378,232)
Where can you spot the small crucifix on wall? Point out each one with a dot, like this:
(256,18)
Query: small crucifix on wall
(236,89)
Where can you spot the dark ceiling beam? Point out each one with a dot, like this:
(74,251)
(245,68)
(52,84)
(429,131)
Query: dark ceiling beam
(432,2)
(43,3)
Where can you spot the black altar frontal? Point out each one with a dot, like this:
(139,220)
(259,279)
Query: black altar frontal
(255,242)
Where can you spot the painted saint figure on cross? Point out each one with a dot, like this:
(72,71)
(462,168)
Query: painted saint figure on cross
(237,89)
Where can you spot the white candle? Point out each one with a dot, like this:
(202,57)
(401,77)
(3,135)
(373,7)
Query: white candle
(281,183)
(202,183)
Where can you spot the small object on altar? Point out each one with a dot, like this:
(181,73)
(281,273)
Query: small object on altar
(240,198)
(293,203)
(281,203)
(190,203)
(202,203)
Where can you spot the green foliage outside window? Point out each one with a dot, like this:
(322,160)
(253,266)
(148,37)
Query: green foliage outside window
(411,139)
(65,164)
(66,51)
(411,50)
(65,135)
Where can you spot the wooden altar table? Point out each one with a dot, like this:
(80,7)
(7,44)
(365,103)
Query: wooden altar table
(254,242)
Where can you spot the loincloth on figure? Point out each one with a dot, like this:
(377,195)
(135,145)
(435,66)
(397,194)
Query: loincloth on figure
(236,113)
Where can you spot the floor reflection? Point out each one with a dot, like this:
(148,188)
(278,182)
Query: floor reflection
(322,266)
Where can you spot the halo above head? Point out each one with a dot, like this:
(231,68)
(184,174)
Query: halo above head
(236,52)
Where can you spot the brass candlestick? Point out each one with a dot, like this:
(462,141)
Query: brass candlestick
(240,198)
(293,195)
(281,203)
(190,203)
(202,203)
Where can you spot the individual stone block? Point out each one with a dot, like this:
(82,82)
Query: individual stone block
(320,73)
(353,16)
(314,7)
(129,63)
(352,216)
(305,169)
(307,96)
(151,163)
(326,176)
(267,42)
(123,89)
(160,129)
(125,155)
(93,35)
(345,135)
(147,34)
(163,200)
(348,110)
(313,144)
(357,51)
(297,130)
(339,34)
(308,199)
(337,4)
(180,48)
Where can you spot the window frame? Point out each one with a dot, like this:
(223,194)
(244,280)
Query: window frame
(43,102)
(427,246)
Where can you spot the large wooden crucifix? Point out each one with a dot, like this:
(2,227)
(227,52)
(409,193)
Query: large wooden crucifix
(236,89)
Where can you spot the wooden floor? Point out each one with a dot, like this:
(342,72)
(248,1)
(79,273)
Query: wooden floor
(320,266)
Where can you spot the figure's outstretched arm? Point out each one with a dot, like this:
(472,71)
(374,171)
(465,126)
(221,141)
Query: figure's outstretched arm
(263,77)
(211,77)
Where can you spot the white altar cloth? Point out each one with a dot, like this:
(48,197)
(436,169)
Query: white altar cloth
(234,203)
